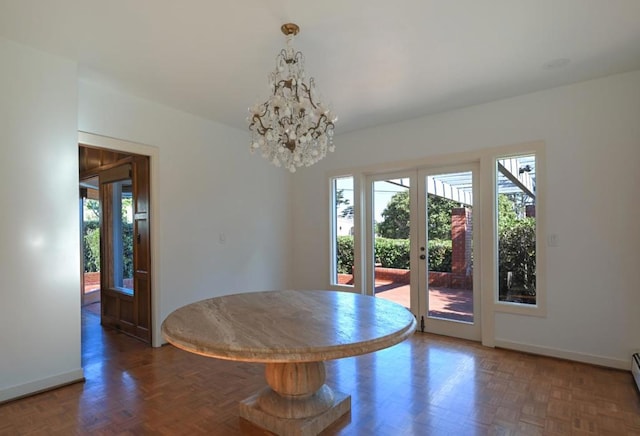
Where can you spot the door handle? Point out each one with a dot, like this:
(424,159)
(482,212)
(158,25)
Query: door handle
(422,256)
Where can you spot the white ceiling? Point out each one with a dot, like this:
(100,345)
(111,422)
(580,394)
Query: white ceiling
(374,61)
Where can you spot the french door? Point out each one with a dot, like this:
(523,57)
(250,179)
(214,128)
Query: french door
(420,243)
(448,287)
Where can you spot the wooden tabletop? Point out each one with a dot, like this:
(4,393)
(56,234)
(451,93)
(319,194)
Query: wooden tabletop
(288,326)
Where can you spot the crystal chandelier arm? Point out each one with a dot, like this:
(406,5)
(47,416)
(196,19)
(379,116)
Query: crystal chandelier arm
(262,129)
(307,91)
(284,122)
(315,131)
(284,84)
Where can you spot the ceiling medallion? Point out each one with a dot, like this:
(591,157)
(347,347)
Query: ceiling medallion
(292,128)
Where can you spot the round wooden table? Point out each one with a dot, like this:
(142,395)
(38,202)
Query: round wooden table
(293,333)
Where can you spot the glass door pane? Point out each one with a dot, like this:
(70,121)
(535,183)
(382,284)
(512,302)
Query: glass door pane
(391,245)
(450,246)
(122,236)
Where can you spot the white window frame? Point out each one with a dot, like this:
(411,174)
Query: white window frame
(333,248)
(490,230)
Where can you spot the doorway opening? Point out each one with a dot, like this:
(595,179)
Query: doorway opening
(115,239)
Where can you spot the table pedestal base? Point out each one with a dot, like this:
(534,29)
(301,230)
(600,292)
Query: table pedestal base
(311,425)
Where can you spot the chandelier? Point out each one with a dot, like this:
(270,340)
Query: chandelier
(292,128)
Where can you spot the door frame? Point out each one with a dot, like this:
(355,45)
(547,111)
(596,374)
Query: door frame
(153,154)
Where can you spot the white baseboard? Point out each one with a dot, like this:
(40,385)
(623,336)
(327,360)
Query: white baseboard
(45,384)
(564,354)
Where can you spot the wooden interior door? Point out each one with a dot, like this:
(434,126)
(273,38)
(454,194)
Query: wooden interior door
(125,260)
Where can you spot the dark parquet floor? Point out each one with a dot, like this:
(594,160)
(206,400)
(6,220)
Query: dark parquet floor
(428,385)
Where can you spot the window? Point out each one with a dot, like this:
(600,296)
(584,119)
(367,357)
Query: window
(342,217)
(503,263)
(516,229)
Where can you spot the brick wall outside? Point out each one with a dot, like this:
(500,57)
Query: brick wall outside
(92,281)
(345,279)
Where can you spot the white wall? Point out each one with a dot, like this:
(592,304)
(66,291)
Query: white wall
(592,136)
(39,236)
(207,184)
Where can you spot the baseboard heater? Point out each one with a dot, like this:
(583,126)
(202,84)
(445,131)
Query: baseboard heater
(635,368)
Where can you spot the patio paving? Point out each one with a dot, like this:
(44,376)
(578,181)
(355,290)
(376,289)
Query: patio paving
(447,303)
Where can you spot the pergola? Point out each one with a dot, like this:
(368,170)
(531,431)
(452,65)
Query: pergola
(515,175)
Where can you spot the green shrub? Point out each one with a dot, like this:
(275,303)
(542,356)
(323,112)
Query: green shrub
(127,250)
(91,243)
(517,254)
(440,254)
(394,253)
(345,254)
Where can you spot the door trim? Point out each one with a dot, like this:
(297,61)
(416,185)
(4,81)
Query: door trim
(153,154)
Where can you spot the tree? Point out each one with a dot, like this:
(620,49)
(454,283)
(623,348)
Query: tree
(93,210)
(507,215)
(347,212)
(395,217)
(439,217)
